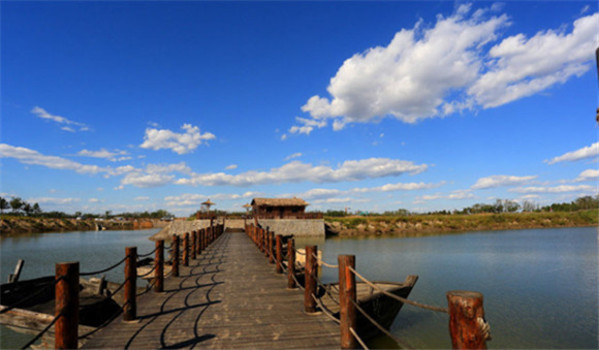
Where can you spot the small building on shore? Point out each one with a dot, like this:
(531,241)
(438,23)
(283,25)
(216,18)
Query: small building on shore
(279,208)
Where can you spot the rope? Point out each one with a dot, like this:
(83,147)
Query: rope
(297,282)
(381,328)
(148,288)
(39,335)
(322,262)
(147,254)
(398,298)
(22,301)
(325,309)
(300,253)
(148,273)
(105,270)
(357,337)
(118,288)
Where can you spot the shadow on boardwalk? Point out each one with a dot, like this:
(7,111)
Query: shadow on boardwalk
(229,297)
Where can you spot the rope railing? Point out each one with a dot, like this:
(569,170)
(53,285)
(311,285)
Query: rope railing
(148,273)
(104,270)
(355,334)
(42,332)
(322,262)
(147,254)
(325,309)
(398,298)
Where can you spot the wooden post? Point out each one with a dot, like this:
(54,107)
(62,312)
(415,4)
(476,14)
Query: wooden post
(129,302)
(310,284)
(291,264)
(279,253)
(66,301)
(186,249)
(194,243)
(465,313)
(271,252)
(347,294)
(175,255)
(159,262)
(201,241)
(261,239)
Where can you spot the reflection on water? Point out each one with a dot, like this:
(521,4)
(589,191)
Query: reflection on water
(540,286)
(93,249)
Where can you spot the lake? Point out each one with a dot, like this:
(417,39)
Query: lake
(539,285)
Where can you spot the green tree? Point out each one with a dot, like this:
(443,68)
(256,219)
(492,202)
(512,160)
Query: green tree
(16,203)
(3,205)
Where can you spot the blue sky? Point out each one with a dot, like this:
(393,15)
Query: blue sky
(132,106)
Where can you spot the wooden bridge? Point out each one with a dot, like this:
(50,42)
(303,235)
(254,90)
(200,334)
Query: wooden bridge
(227,298)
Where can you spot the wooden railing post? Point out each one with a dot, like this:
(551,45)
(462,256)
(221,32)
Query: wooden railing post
(175,255)
(261,239)
(347,294)
(66,299)
(310,284)
(186,249)
(291,264)
(271,252)
(159,262)
(194,244)
(129,302)
(279,253)
(466,320)
(202,234)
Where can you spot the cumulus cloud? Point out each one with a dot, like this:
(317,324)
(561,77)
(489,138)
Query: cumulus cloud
(113,156)
(583,153)
(434,71)
(29,156)
(67,125)
(52,200)
(294,155)
(296,171)
(588,175)
(154,175)
(180,143)
(231,167)
(501,180)
(454,195)
(554,189)
(195,199)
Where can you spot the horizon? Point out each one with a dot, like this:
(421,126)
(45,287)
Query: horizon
(424,106)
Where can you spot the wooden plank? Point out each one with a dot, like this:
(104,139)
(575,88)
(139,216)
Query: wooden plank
(229,297)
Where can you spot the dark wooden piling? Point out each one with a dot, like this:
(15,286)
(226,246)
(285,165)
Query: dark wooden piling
(271,253)
(310,279)
(291,264)
(175,249)
(465,316)
(279,254)
(66,305)
(186,249)
(194,242)
(129,302)
(347,294)
(159,263)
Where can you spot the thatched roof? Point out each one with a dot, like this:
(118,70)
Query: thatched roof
(208,202)
(279,202)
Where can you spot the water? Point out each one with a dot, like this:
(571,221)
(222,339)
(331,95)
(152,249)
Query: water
(540,286)
(94,250)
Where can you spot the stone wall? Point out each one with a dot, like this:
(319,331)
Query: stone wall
(297,227)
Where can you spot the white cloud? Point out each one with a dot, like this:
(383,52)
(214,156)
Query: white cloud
(154,175)
(454,195)
(554,189)
(588,175)
(501,180)
(195,199)
(52,200)
(180,143)
(42,113)
(94,200)
(521,66)
(104,154)
(141,198)
(583,153)
(296,171)
(29,156)
(231,167)
(434,71)
(294,155)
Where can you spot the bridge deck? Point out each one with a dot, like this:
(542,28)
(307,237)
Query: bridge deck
(230,297)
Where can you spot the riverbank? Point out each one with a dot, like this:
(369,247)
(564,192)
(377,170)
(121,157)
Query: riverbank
(18,225)
(419,225)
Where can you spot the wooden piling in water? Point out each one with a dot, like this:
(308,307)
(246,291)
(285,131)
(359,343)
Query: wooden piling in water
(129,302)
(347,294)
(279,254)
(175,248)
(159,263)
(310,279)
(466,316)
(66,305)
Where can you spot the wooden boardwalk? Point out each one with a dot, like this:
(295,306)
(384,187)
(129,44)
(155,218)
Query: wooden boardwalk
(228,298)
